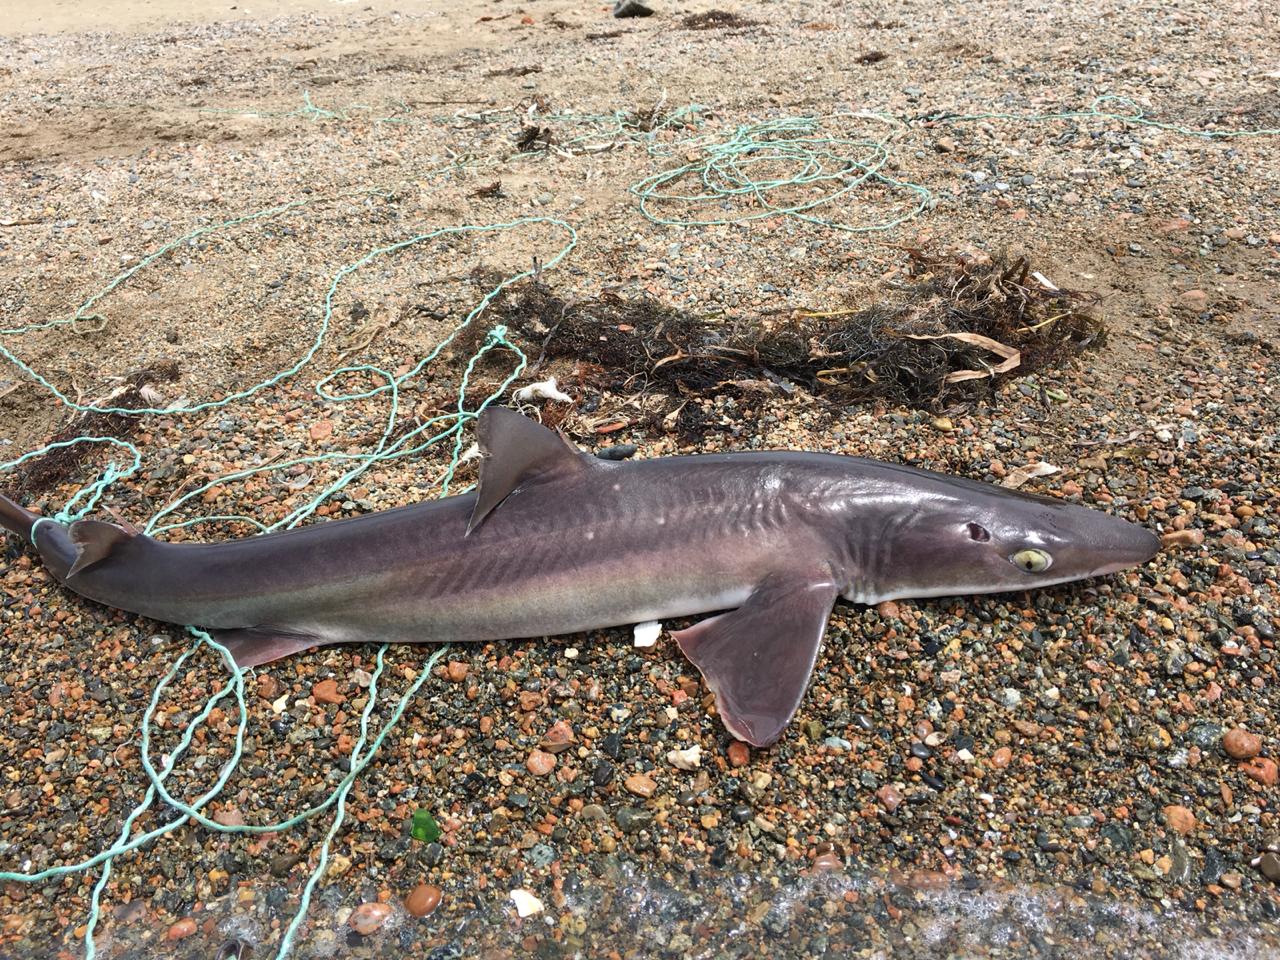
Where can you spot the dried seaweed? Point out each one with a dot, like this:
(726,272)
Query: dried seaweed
(718,20)
(533,138)
(952,329)
(35,478)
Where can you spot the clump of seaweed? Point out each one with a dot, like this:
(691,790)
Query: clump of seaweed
(718,20)
(952,329)
(35,478)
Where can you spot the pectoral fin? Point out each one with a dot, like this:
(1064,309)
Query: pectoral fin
(757,659)
(254,647)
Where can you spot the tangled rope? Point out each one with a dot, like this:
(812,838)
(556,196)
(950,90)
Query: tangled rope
(432,432)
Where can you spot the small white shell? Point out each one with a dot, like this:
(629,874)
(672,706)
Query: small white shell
(647,633)
(527,905)
(543,390)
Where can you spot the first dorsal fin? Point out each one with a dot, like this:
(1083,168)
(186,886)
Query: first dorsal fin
(515,450)
(94,540)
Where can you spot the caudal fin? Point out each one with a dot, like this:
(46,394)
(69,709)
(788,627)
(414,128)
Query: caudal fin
(16,519)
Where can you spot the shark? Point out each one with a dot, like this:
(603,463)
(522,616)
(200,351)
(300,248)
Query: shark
(556,541)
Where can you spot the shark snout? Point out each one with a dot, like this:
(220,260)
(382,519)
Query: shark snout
(1125,545)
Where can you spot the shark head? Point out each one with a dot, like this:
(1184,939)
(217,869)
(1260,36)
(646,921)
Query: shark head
(963,537)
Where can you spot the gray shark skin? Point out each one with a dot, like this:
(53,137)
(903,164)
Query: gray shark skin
(555,541)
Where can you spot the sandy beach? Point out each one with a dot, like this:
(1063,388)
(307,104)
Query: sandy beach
(304,235)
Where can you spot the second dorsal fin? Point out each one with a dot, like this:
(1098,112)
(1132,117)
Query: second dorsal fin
(515,450)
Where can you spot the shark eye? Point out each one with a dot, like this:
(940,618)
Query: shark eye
(1032,561)
(978,532)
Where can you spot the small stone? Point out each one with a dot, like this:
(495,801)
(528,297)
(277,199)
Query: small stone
(1194,299)
(368,917)
(827,863)
(1262,770)
(1001,758)
(631,820)
(558,738)
(424,899)
(689,759)
(268,687)
(1231,881)
(890,797)
(230,817)
(181,930)
(1240,744)
(631,8)
(640,785)
(322,430)
(1071,197)
(540,763)
(943,424)
(1179,818)
(1269,864)
(282,864)
(944,145)
(456,671)
(339,865)
(326,691)
(1169,227)
(1182,538)
(739,754)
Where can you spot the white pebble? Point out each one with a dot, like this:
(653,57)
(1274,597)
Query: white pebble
(571,653)
(526,903)
(647,633)
(689,759)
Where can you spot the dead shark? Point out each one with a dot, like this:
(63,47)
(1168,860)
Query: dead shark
(555,541)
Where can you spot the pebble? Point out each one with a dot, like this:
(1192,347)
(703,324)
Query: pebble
(326,691)
(456,671)
(558,738)
(631,820)
(890,797)
(369,917)
(181,930)
(423,900)
(268,686)
(739,754)
(1241,744)
(640,785)
(1179,818)
(1269,864)
(1262,770)
(540,763)
(687,759)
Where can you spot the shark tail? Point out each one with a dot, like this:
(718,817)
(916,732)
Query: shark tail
(16,519)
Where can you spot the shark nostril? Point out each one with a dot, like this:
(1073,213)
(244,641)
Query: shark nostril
(978,532)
